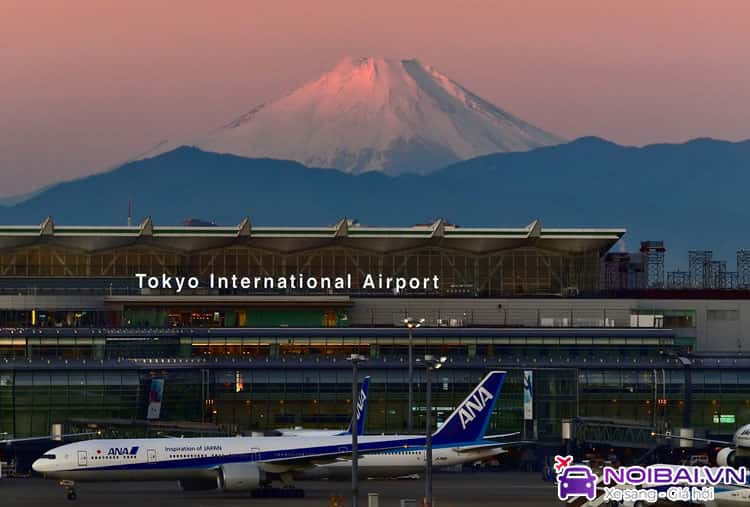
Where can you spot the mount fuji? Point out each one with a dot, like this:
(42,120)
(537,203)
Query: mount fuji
(376,114)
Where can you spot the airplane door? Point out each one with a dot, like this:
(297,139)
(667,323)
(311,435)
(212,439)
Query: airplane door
(82,458)
(151,455)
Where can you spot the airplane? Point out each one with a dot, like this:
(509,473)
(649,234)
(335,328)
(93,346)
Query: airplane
(241,463)
(395,463)
(735,454)
(392,463)
(738,451)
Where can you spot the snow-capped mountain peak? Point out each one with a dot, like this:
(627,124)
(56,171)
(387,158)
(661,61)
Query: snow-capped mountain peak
(376,114)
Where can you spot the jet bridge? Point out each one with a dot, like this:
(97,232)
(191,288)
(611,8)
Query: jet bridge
(613,433)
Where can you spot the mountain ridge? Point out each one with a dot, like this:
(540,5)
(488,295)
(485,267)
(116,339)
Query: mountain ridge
(692,195)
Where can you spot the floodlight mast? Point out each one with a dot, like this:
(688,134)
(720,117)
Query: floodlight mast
(411,324)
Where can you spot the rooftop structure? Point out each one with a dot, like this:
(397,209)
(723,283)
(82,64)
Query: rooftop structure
(480,261)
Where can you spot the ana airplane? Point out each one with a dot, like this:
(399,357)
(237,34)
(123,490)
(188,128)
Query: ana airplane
(735,454)
(241,463)
(402,462)
(396,463)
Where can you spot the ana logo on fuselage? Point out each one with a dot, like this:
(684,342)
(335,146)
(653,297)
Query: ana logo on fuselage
(122,451)
(476,403)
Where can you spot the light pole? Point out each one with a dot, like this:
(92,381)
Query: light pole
(431,363)
(411,324)
(355,360)
(505,315)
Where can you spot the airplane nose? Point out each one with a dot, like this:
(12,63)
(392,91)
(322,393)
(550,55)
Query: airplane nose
(38,466)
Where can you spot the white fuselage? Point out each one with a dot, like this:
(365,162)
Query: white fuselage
(199,458)
(196,458)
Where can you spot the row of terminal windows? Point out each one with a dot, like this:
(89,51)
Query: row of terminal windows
(86,348)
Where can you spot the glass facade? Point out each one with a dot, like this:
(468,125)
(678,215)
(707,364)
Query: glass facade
(660,395)
(248,380)
(273,398)
(246,398)
(31,401)
(108,344)
(520,270)
(236,400)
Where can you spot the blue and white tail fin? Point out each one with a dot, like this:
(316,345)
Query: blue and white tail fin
(361,408)
(468,423)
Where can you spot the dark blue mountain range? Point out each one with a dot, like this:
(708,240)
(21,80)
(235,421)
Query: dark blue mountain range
(692,195)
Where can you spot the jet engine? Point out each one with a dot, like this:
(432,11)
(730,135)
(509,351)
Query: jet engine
(726,457)
(239,477)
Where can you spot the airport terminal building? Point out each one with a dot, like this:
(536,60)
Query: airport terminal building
(83,338)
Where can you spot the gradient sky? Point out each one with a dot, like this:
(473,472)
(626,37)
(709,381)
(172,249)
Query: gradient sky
(85,84)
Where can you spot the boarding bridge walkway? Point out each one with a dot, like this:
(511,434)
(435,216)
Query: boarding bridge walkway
(613,433)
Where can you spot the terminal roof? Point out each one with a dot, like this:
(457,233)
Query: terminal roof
(476,240)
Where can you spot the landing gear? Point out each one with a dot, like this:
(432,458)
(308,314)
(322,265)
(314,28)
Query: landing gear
(70,489)
(287,489)
(287,479)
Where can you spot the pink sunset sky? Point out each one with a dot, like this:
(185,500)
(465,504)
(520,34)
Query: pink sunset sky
(85,84)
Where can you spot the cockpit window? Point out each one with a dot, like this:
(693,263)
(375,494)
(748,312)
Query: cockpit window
(49,456)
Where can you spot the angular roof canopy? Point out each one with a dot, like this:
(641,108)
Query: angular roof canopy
(474,240)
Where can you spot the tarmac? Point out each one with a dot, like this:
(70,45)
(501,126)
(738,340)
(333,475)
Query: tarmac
(466,489)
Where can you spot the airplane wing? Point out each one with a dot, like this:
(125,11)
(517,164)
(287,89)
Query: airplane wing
(45,437)
(489,445)
(326,456)
(502,435)
(694,439)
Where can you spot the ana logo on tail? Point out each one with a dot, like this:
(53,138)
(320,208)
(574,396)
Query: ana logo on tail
(361,403)
(475,404)
(361,408)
